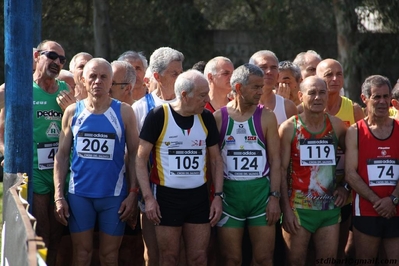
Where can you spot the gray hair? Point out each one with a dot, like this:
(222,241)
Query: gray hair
(241,75)
(288,65)
(162,57)
(210,67)
(132,55)
(130,73)
(260,53)
(186,82)
(73,60)
(375,81)
(300,58)
(395,91)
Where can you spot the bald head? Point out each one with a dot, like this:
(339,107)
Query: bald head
(327,64)
(95,63)
(330,70)
(97,77)
(46,44)
(310,82)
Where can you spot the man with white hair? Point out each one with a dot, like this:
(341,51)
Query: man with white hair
(140,64)
(76,66)
(123,81)
(218,72)
(99,129)
(182,136)
(268,62)
(307,62)
(166,64)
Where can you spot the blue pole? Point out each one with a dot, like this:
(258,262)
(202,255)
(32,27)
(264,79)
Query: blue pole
(37,22)
(18,136)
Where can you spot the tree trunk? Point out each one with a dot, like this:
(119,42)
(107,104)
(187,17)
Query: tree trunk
(347,36)
(102,29)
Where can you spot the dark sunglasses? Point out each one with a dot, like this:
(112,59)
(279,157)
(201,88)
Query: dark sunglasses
(53,56)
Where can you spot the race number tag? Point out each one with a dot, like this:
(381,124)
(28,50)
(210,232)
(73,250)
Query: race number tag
(383,172)
(245,163)
(185,162)
(92,145)
(340,169)
(45,154)
(316,152)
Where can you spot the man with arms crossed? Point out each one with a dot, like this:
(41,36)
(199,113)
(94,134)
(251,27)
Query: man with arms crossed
(181,135)
(372,170)
(252,182)
(97,129)
(310,194)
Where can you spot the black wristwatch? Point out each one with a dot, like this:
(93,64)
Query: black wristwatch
(219,194)
(347,187)
(395,200)
(275,194)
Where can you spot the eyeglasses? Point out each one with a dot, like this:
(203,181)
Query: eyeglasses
(53,56)
(121,83)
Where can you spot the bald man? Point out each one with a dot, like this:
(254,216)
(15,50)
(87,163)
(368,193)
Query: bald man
(99,129)
(311,197)
(331,71)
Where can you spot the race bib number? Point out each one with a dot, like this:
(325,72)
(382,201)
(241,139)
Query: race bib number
(340,169)
(383,172)
(45,154)
(186,162)
(98,146)
(245,163)
(316,152)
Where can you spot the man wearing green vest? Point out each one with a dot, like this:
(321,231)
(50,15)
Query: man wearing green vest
(47,116)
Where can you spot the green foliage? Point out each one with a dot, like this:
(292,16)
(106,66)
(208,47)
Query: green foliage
(286,27)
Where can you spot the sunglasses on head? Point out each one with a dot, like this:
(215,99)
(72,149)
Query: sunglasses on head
(53,56)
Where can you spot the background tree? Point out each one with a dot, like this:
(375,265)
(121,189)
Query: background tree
(287,27)
(102,29)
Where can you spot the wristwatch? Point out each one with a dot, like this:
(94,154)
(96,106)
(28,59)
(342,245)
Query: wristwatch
(347,187)
(219,194)
(275,194)
(395,200)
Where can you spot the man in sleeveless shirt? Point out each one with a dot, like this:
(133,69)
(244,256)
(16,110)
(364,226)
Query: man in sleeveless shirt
(331,72)
(99,129)
(311,196)
(218,71)
(282,108)
(182,137)
(166,64)
(250,149)
(372,170)
(47,115)
(268,62)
